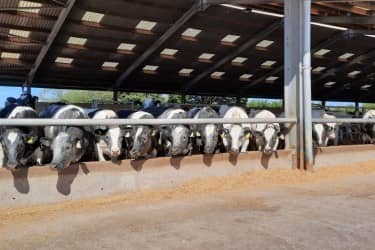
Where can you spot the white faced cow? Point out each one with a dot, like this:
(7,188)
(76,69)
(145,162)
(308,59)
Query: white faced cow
(108,138)
(175,139)
(236,137)
(19,143)
(323,132)
(266,135)
(206,135)
(69,144)
(141,138)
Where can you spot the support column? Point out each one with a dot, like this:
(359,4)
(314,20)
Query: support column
(324,105)
(115,95)
(297,81)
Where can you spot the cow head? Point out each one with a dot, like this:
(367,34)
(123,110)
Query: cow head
(208,136)
(271,135)
(324,132)
(67,147)
(15,143)
(180,140)
(236,138)
(142,142)
(112,137)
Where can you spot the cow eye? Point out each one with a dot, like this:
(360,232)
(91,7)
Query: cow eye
(67,147)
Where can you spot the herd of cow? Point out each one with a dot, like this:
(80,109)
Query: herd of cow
(61,146)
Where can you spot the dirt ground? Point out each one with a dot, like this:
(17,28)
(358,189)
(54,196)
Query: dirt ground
(332,208)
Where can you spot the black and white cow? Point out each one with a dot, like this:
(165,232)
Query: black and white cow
(141,139)
(20,143)
(265,135)
(174,139)
(236,137)
(69,144)
(369,128)
(205,135)
(324,132)
(108,138)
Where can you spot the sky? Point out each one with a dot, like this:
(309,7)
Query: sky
(14,92)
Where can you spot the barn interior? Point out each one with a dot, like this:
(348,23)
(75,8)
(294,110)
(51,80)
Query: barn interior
(211,47)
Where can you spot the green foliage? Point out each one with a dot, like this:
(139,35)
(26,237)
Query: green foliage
(264,104)
(368,106)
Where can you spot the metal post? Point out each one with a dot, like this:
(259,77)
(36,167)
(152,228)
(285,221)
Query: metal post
(183,99)
(324,105)
(297,86)
(115,95)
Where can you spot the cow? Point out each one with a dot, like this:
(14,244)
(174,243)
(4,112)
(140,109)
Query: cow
(324,132)
(20,143)
(69,144)
(235,137)
(174,140)
(369,128)
(108,138)
(206,135)
(141,139)
(265,136)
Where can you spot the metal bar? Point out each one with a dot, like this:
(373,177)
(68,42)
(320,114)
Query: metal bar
(343,120)
(248,44)
(55,30)
(297,82)
(159,42)
(152,122)
(345,19)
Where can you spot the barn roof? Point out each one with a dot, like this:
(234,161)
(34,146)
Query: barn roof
(183,46)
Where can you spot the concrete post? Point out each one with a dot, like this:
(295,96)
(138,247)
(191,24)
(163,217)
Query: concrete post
(297,82)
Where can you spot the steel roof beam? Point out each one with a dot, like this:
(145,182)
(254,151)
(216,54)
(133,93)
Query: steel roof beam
(250,43)
(51,38)
(197,6)
(344,19)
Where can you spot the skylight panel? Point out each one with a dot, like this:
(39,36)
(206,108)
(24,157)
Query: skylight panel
(217,75)
(145,25)
(186,72)
(93,17)
(245,77)
(168,53)
(354,73)
(27,6)
(321,52)
(126,47)
(64,60)
(76,41)
(20,33)
(239,61)
(318,69)
(206,57)
(263,45)
(268,64)
(150,69)
(110,65)
(344,57)
(229,39)
(329,84)
(191,33)
(365,87)
(271,79)
(10,55)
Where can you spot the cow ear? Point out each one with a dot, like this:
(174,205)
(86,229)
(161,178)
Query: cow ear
(45,142)
(79,144)
(154,132)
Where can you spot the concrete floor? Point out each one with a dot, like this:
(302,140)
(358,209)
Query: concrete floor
(331,215)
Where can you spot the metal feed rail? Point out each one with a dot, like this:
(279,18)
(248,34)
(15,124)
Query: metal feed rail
(154,122)
(343,120)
